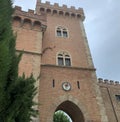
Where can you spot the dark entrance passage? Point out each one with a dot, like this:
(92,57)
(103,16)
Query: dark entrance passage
(72,110)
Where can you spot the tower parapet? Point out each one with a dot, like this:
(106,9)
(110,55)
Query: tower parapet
(102,81)
(29,17)
(59,10)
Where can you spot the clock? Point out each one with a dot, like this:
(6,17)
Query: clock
(66,86)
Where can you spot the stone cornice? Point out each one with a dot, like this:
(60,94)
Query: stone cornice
(28,52)
(69,67)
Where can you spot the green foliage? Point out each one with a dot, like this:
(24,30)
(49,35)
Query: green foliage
(60,117)
(16,93)
(22,100)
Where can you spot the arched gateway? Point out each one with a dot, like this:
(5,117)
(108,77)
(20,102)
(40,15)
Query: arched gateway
(70,105)
(72,110)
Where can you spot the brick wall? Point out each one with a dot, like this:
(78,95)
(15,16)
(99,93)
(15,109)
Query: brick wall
(111,102)
(51,97)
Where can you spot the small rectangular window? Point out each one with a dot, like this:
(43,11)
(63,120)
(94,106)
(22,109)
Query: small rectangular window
(67,62)
(78,84)
(60,61)
(53,83)
(117,97)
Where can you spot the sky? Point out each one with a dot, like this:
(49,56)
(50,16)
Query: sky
(102,26)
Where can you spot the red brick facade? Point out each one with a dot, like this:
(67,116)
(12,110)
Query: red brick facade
(37,38)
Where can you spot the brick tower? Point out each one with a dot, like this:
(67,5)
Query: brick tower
(68,79)
(55,50)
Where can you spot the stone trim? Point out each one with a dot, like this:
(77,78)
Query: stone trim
(28,52)
(68,67)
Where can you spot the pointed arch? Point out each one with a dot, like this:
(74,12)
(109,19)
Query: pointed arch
(63,58)
(61,100)
(72,110)
(62,32)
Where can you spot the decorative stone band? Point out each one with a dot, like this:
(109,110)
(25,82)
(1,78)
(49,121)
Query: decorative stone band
(106,81)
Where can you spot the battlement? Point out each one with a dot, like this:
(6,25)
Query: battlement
(108,82)
(29,17)
(30,13)
(48,8)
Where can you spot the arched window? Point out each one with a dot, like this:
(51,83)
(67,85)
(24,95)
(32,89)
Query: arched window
(64,59)
(62,32)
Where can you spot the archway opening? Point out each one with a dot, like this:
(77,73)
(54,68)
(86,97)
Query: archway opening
(61,116)
(72,110)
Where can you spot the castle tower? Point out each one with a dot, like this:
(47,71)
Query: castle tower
(67,75)
(55,50)
(29,28)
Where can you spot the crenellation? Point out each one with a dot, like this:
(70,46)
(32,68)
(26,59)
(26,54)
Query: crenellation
(18,8)
(73,8)
(56,5)
(43,7)
(31,11)
(30,14)
(47,3)
(116,82)
(108,82)
(111,82)
(28,20)
(64,6)
(100,80)
(80,9)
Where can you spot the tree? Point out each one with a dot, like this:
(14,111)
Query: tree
(59,116)
(16,93)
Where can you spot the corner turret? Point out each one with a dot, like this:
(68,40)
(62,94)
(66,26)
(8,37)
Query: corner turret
(29,17)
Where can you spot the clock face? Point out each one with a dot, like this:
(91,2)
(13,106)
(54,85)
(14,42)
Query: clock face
(66,86)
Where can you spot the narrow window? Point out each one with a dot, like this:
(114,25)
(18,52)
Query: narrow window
(78,84)
(53,83)
(60,61)
(67,62)
(59,33)
(65,34)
